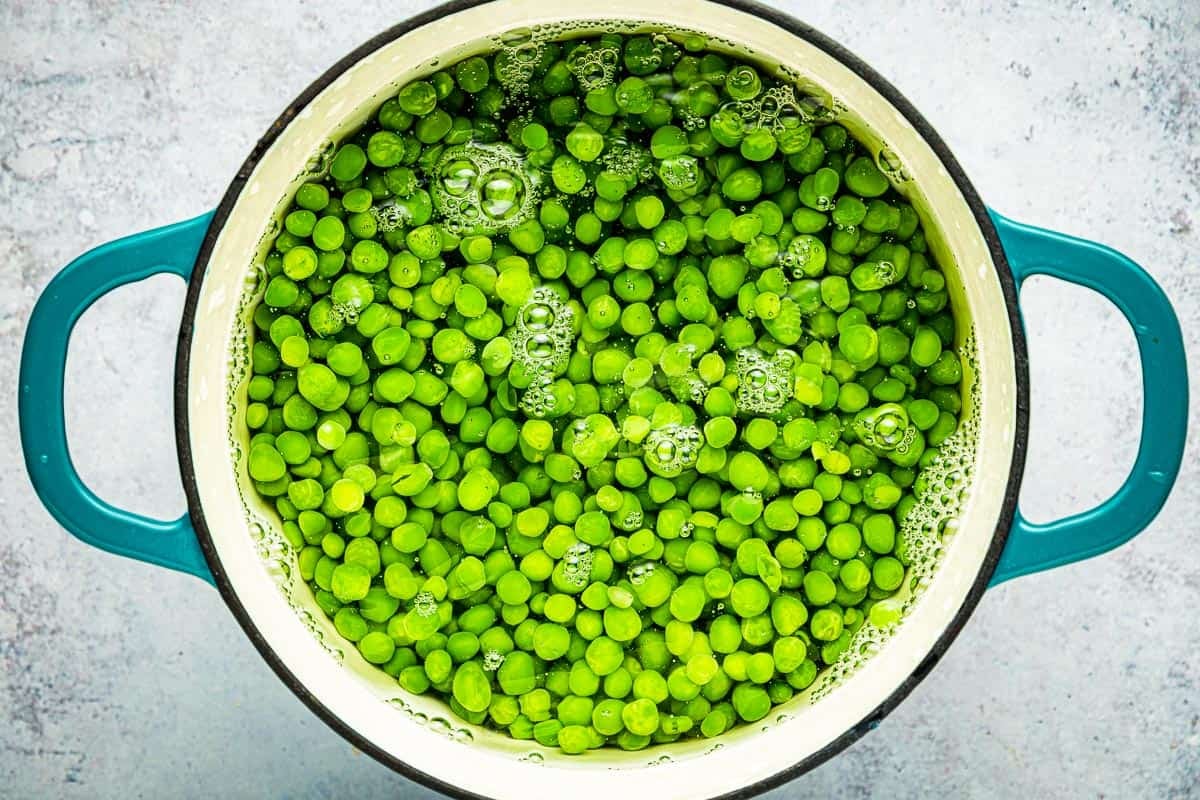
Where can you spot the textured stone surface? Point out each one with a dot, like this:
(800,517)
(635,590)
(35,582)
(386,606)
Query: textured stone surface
(121,680)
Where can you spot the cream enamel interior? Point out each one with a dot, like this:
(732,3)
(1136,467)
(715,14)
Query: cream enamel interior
(491,764)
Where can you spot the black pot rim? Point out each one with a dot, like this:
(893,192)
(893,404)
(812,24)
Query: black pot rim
(863,71)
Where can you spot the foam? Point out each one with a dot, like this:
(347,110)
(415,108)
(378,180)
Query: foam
(942,490)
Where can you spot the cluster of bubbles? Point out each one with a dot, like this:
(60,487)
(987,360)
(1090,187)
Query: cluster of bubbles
(689,387)
(638,573)
(577,564)
(671,450)
(345,312)
(435,724)
(679,172)
(425,604)
(885,272)
(492,660)
(520,50)
(890,165)
(685,530)
(594,67)
(799,253)
(391,216)
(690,120)
(628,160)
(633,519)
(776,109)
(541,339)
(885,428)
(483,188)
(764,384)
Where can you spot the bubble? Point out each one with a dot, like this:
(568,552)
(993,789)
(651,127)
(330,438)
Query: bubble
(502,194)
(628,160)
(537,316)
(520,51)
(542,338)
(885,271)
(679,172)
(458,177)
(775,110)
(890,164)
(539,347)
(885,428)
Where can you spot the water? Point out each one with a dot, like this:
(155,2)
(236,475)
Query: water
(638,573)
(680,172)
(775,110)
(490,188)
(804,254)
(627,160)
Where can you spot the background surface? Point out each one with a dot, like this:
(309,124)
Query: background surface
(120,680)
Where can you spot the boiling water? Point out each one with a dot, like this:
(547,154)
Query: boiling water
(489,189)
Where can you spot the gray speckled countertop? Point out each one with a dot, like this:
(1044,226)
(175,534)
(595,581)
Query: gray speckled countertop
(120,680)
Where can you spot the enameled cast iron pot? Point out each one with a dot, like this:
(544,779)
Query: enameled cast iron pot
(229,539)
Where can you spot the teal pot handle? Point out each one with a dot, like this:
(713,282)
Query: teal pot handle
(40,407)
(1037,546)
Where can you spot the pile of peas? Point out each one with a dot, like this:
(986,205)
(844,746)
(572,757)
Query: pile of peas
(741,352)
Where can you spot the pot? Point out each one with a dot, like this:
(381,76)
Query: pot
(975,539)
